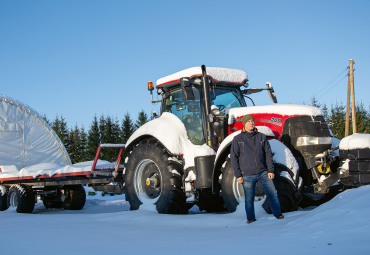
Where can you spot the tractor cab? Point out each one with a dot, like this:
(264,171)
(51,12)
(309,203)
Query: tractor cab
(185,94)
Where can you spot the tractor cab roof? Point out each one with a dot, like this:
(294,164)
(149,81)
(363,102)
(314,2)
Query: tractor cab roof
(224,76)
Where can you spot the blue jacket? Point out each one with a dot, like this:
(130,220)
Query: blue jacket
(251,154)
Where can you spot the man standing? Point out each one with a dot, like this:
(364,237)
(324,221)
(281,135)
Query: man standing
(251,159)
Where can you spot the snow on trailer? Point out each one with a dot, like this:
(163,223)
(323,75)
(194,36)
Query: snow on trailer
(57,185)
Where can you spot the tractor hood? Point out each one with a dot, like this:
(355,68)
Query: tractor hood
(281,109)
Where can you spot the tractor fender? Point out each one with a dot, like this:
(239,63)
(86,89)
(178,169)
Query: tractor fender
(169,130)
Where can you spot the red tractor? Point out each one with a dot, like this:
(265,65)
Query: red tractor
(182,157)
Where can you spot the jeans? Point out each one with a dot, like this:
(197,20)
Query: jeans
(268,187)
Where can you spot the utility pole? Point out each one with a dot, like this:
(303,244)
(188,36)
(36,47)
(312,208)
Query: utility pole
(346,133)
(353,96)
(351,91)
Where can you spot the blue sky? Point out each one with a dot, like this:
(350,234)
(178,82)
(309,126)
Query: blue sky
(81,58)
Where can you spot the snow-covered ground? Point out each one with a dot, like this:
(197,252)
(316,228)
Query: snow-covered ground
(106,226)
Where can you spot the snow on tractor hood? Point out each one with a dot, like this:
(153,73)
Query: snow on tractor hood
(170,131)
(282,109)
(355,141)
(219,75)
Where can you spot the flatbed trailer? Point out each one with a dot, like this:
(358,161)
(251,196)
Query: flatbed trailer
(61,190)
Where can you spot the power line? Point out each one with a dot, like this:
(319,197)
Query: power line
(325,87)
(331,87)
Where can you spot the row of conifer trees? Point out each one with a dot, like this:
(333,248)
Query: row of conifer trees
(82,145)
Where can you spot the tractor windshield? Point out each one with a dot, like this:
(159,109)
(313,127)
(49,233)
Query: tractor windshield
(189,112)
(226,97)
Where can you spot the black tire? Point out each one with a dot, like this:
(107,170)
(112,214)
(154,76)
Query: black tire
(210,202)
(53,204)
(150,160)
(288,194)
(231,192)
(74,197)
(3,198)
(22,198)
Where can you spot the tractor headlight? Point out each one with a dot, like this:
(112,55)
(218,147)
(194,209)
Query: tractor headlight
(303,141)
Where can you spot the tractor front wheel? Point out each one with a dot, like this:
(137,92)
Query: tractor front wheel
(152,178)
(231,191)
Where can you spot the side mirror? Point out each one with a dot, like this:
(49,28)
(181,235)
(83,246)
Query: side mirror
(186,88)
(271,92)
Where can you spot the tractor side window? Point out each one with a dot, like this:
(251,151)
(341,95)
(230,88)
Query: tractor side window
(189,112)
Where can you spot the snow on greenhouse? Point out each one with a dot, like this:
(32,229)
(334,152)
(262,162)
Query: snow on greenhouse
(26,139)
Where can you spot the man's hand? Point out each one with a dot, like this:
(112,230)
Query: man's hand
(240,180)
(271,176)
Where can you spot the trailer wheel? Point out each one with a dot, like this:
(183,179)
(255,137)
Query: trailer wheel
(22,198)
(210,202)
(231,191)
(151,178)
(3,198)
(74,197)
(288,195)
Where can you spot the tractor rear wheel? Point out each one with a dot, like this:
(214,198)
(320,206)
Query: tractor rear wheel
(288,194)
(231,191)
(152,178)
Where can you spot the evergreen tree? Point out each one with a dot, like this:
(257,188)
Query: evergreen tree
(93,139)
(116,131)
(102,129)
(55,125)
(142,119)
(84,152)
(61,129)
(75,146)
(336,121)
(325,112)
(362,120)
(109,133)
(315,103)
(45,118)
(127,128)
